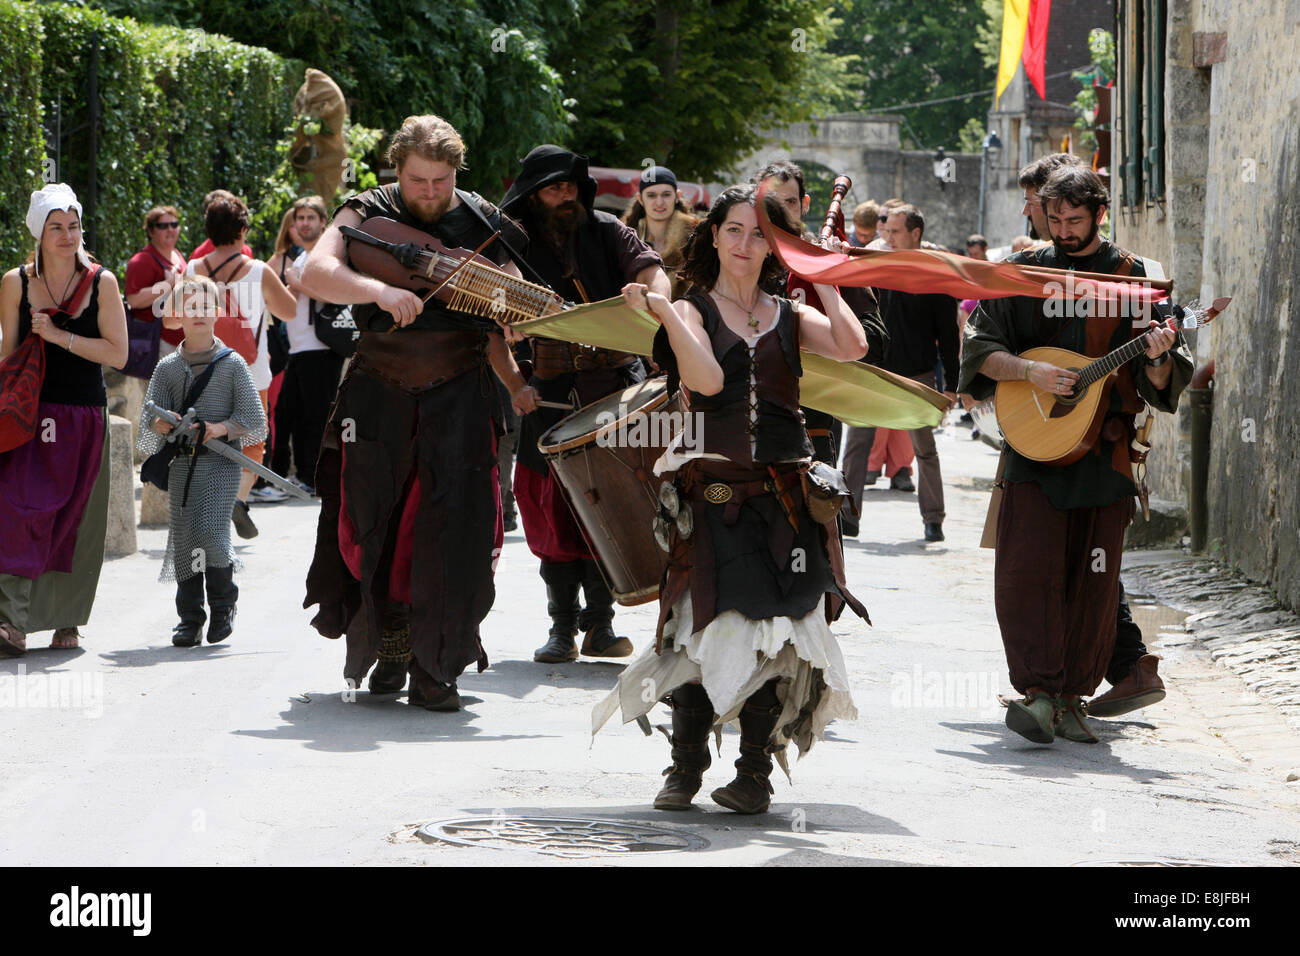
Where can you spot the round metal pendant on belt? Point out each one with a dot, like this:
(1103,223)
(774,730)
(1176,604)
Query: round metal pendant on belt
(663,533)
(685,523)
(717,493)
(668,499)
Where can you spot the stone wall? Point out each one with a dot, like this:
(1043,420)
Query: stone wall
(866,148)
(1229,226)
(951,210)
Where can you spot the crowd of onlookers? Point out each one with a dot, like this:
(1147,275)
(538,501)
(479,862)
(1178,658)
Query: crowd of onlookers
(176,321)
(925,337)
(295,372)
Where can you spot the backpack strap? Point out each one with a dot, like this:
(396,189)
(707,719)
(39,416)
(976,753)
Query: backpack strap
(201,382)
(157,258)
(212,273)
(472,201)
(73,302)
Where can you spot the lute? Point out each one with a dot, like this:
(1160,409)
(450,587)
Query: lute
(1061,429)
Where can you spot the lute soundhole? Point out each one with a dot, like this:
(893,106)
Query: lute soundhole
(1064,404)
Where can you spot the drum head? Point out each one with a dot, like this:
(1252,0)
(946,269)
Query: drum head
(583,424)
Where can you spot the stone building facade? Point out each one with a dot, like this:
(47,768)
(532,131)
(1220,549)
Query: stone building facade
(866,148)
(1031,126)
(1207,180)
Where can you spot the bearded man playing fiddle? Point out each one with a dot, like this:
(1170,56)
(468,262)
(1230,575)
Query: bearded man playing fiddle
(410,522)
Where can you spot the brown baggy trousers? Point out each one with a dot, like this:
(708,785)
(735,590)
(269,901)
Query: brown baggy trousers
(1056,588)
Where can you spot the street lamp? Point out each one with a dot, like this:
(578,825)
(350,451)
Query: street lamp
(990,148)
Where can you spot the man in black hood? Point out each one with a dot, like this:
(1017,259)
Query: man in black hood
(586,256)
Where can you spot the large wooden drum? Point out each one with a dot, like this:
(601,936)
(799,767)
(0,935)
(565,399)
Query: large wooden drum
(604,455)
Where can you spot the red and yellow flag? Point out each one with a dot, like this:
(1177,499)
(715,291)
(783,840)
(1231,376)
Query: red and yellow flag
(1024,39)
(1034,55)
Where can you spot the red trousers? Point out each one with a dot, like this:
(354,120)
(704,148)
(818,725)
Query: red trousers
(891,451)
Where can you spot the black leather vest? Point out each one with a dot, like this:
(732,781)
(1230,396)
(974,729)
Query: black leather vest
(761,425)
(458,227)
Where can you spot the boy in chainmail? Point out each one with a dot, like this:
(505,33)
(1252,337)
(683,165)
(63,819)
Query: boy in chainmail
(202,486)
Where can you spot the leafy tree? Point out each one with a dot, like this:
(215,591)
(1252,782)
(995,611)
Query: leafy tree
(393,58)
(1101,44)
(988,36)
(691,85)
(916,52)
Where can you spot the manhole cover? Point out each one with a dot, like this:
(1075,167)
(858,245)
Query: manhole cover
(1156,861)
(560,836)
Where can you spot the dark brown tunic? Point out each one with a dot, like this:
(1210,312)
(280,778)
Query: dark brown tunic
(1061,528)
(760,552)
(417,405)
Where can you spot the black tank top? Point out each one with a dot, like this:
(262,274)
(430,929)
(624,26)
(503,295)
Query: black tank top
(768,415)
(69,378)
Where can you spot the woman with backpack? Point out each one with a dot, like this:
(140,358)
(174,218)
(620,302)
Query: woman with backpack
(250,290)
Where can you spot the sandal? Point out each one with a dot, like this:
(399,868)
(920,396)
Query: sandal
(13,642)
(65,639)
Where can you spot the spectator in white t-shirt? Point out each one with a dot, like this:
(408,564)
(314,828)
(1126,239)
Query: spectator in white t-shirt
(311,376)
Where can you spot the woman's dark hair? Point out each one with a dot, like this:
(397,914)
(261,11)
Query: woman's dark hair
(1076,186)
(700,257)
(225,219)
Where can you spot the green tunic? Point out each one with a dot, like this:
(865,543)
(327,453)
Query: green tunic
(1020,323)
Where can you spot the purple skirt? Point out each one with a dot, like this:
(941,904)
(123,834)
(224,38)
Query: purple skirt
(44,487)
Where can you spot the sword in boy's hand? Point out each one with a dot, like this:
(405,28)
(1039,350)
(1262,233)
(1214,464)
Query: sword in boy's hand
(181,424)
(184,422)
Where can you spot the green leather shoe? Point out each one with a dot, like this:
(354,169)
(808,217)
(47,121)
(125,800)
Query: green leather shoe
(1070,722)
(1033,717)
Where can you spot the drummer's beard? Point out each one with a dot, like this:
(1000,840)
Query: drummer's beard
(559,221)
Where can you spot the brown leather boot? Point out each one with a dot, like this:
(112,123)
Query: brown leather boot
(751,791)
(597,618)
(1139,689)
(692,721)
(430,693)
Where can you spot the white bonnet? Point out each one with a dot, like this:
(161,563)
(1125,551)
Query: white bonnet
(55,197)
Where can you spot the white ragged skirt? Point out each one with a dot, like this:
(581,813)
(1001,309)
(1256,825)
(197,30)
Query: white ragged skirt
(733,656)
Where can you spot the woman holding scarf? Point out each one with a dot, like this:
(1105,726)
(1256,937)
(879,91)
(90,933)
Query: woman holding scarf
(54,487)
(746,603)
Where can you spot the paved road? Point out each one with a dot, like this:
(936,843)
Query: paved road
(248,752)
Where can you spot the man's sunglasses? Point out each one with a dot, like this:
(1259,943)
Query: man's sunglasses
(167,225)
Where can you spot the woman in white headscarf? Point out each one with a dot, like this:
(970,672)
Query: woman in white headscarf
(54,488)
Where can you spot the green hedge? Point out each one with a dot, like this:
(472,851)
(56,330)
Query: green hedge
(181,112)
(22,146)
